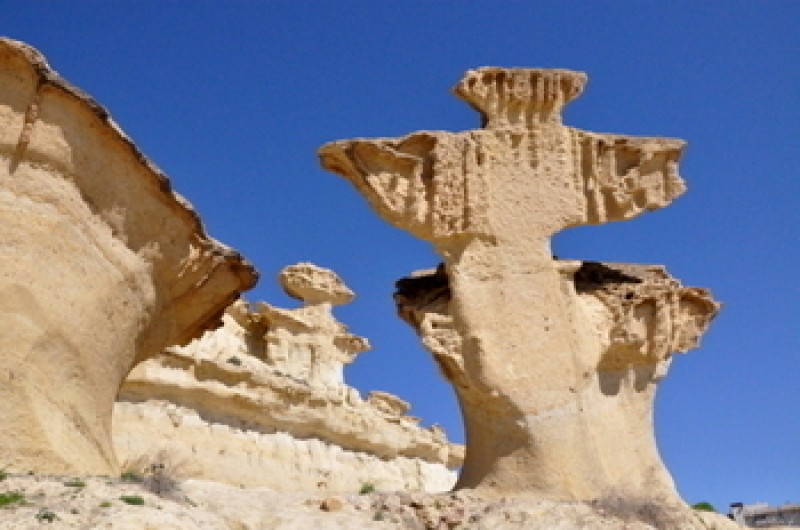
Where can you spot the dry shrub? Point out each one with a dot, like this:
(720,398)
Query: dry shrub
(160,473)
(661,516)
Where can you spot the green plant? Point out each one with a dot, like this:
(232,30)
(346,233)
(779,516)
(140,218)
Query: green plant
(105,504)
(131,476)
(367,487)
(3,474)
(11,497)
(133,500)
(378,516)
(704,507)
(75,483)
(45,515)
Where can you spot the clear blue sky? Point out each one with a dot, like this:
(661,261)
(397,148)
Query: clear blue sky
(233,98)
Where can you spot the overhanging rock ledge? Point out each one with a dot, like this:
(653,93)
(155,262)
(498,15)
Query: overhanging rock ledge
(103,266)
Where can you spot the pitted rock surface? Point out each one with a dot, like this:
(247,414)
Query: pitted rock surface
(555,374)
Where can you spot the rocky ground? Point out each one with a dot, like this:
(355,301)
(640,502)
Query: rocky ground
(153,502)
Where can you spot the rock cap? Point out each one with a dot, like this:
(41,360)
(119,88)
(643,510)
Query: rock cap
(315,285)
(519,96)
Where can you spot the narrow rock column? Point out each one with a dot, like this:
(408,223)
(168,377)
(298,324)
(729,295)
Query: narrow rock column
(101,267)
(521,352)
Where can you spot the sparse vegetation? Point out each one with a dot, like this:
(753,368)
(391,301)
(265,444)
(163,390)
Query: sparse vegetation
(105,504)
(630,509)
(3,475)
(75,483)
(46,516)
(131,476)
(11,497)
(133,500)
(160,473)
(366,488)
(704,507)
(161,480)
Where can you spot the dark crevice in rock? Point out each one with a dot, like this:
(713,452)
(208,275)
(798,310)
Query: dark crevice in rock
(593,275)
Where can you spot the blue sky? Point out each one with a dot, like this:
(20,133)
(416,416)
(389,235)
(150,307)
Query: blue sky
(232,99)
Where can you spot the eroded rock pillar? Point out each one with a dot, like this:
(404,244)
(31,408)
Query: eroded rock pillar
(309,342)
(525,351)
(101,267)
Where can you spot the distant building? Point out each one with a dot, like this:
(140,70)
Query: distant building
(765,516)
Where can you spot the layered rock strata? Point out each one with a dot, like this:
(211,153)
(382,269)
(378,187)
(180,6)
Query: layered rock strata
(555,372)
(262,402)
(102,266)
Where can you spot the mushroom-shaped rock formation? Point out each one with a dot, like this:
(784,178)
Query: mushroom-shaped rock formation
(629,321)
(102,267)
(554,370)
(308,342)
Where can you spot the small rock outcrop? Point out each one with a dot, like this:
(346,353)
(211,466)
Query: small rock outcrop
(262,402)
(555,363)
(102,266)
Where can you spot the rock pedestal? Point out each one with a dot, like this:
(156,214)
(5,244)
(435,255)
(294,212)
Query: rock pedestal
(555,383)
(101,267)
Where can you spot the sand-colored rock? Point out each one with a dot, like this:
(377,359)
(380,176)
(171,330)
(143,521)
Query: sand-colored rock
(555,372)
(632,319)
(308,342)
(102,266)
(261,402)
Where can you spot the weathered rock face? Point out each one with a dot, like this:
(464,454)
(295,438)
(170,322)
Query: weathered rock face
(261,402)
(629,319)
(102,266)
(554,362)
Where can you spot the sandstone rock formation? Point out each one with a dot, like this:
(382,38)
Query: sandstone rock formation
(102,266)
(554,362)
(262,402)
(632,319)
(309,343)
